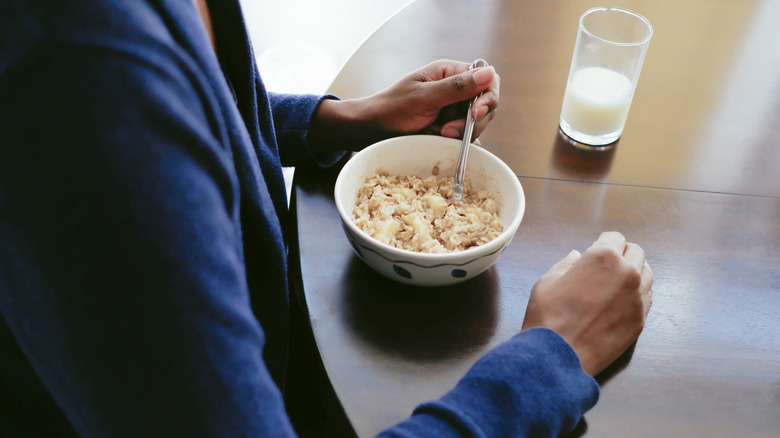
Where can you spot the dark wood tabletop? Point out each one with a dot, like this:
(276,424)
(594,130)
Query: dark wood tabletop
(695,180)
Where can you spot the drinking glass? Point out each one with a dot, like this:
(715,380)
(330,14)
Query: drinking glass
(608,55)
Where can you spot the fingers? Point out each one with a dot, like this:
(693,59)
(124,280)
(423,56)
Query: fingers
(481,124)
(487,103)
(443,68)
(454,128)
(631,252)
(634,255)
(612,240)
(466,85)
(646,286)
(483,111)
(484,107)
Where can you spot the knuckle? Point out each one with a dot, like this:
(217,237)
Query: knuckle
(640,326)
(458,83)
(635,247)
(492,101)
(632,277)
(649,273)
(605,255)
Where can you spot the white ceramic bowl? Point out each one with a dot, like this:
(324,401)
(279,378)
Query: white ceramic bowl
(417,155)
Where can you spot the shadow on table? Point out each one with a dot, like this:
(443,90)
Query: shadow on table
(319,181)
(603,377)
(571,159)
(429,324)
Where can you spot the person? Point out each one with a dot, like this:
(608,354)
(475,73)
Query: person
(143,268)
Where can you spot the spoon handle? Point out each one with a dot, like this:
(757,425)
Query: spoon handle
(460,168)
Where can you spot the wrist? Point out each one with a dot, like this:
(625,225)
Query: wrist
(344,125)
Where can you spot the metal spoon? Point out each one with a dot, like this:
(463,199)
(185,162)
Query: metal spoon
(460,168)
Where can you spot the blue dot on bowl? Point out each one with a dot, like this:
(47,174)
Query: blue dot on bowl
(402,272)
(459,273)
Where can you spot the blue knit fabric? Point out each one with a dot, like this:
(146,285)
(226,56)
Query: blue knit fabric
(143,281)
(529,386)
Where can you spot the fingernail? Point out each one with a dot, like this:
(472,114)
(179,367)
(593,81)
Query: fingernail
(483,75)
(481,111)
(450,132)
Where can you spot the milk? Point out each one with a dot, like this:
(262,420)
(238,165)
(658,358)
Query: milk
(595,105)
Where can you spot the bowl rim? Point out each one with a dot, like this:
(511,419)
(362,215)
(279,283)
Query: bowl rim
(494,245)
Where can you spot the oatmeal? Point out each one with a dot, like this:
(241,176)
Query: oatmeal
(415,214)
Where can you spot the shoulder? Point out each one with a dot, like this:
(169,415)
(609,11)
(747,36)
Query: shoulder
(93,62)
(27,24)
(89,35)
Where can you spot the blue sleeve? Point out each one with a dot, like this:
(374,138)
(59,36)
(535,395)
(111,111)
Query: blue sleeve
(531,385)
(292,116)
(121,273)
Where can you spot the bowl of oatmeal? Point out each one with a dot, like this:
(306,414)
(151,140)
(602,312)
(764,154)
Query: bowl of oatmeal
(395,203)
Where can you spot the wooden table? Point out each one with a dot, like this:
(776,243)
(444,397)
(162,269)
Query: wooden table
(694,180)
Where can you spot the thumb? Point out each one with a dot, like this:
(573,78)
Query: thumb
(460,87)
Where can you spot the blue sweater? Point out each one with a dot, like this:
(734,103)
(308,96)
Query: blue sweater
(143,281)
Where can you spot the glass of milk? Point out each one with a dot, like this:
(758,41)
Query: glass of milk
(608,56)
